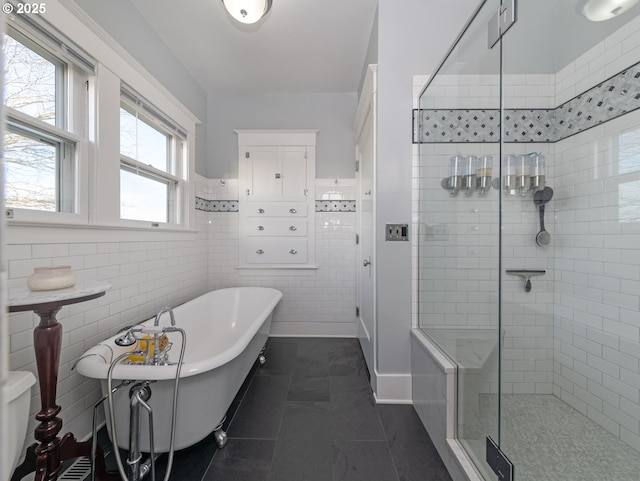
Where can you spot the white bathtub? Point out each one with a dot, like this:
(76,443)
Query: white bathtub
(226,329)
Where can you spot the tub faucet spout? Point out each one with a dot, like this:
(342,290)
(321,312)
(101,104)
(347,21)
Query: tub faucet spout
(162,311)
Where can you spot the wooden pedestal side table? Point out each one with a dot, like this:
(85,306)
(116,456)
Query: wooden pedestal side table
(46,456)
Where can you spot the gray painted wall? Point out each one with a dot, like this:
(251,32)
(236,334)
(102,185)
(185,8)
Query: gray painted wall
(372,51)
(332,114)
(413,36)
(125,24)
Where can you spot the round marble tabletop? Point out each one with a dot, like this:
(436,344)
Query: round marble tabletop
(23,297)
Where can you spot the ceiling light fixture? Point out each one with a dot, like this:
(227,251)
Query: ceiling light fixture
(599,10)
(247,11)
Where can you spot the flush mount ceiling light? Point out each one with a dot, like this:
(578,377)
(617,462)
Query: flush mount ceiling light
(247,11)
(599,10)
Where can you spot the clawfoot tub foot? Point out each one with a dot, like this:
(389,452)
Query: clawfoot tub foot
(261,358)
(220,437)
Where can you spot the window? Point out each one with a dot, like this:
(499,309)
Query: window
(39,171)
(150,162)
(83,148)
(628,179)
(40,147)
(33,80)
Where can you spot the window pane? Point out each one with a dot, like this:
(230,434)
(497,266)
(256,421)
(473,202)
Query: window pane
(142,142)
(143,198)
(629,202)
(629,152)
(30,173)
(30,81)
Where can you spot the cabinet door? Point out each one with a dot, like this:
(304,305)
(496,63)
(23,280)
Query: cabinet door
(293,162)
(263,172)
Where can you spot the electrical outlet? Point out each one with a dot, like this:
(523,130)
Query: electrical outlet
(397,232)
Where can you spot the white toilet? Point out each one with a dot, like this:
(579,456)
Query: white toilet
(18,396)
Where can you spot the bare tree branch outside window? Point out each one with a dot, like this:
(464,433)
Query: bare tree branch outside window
(30,162)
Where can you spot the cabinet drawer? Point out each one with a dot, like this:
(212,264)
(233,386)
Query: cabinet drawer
(276,209)
(276,251)
(280,228)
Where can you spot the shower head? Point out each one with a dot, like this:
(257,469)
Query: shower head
(543,238)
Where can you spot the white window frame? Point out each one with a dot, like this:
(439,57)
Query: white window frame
(98,172)
(176,144)
(69,132)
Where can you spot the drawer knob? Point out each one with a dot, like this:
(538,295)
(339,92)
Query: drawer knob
(259,251)
(293,251)
(293,227)
(293,211)
(260,211)
(260,227)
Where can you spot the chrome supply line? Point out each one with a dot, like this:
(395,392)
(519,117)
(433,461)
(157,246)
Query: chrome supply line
(139,395)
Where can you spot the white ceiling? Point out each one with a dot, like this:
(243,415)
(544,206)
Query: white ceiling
(299,46)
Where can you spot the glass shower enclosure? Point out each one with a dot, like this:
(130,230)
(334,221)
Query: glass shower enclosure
(529,235)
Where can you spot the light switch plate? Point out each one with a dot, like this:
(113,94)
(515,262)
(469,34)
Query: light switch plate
(397,232)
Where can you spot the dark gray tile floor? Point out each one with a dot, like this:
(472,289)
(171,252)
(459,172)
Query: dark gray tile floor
(308,415)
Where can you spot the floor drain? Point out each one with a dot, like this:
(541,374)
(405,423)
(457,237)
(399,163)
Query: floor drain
(78,471)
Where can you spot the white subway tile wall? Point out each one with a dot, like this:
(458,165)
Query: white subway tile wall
(148,275)
(458,268)
(144,277)
(315,302)
(597,318)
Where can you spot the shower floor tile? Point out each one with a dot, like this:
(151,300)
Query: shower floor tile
(310,415)
(548,440)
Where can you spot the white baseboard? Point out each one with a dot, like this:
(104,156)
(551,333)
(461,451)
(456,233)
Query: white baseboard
(363,328)
(313,329)
(393,388)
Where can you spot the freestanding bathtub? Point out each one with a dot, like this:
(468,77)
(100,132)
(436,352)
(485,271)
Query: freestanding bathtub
(225,330)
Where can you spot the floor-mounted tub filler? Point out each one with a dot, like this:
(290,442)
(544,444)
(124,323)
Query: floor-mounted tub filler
(224,332)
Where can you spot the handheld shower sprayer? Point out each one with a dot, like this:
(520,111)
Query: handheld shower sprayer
(138,400)
(540,198)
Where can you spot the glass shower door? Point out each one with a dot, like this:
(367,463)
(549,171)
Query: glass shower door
(570,403)
(459,231)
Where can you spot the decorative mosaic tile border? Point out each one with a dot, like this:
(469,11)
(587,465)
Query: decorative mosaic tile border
(216,205)
(232,205)
(612,98)
(335,205)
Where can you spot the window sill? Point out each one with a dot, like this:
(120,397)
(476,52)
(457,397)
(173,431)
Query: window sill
(30,232)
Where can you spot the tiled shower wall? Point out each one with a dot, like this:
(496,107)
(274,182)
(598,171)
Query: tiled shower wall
(459,239)
(148,275)
(597,291)
(592,285)
(597,302)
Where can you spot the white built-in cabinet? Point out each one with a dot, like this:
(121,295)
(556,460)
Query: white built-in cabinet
(277,198)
